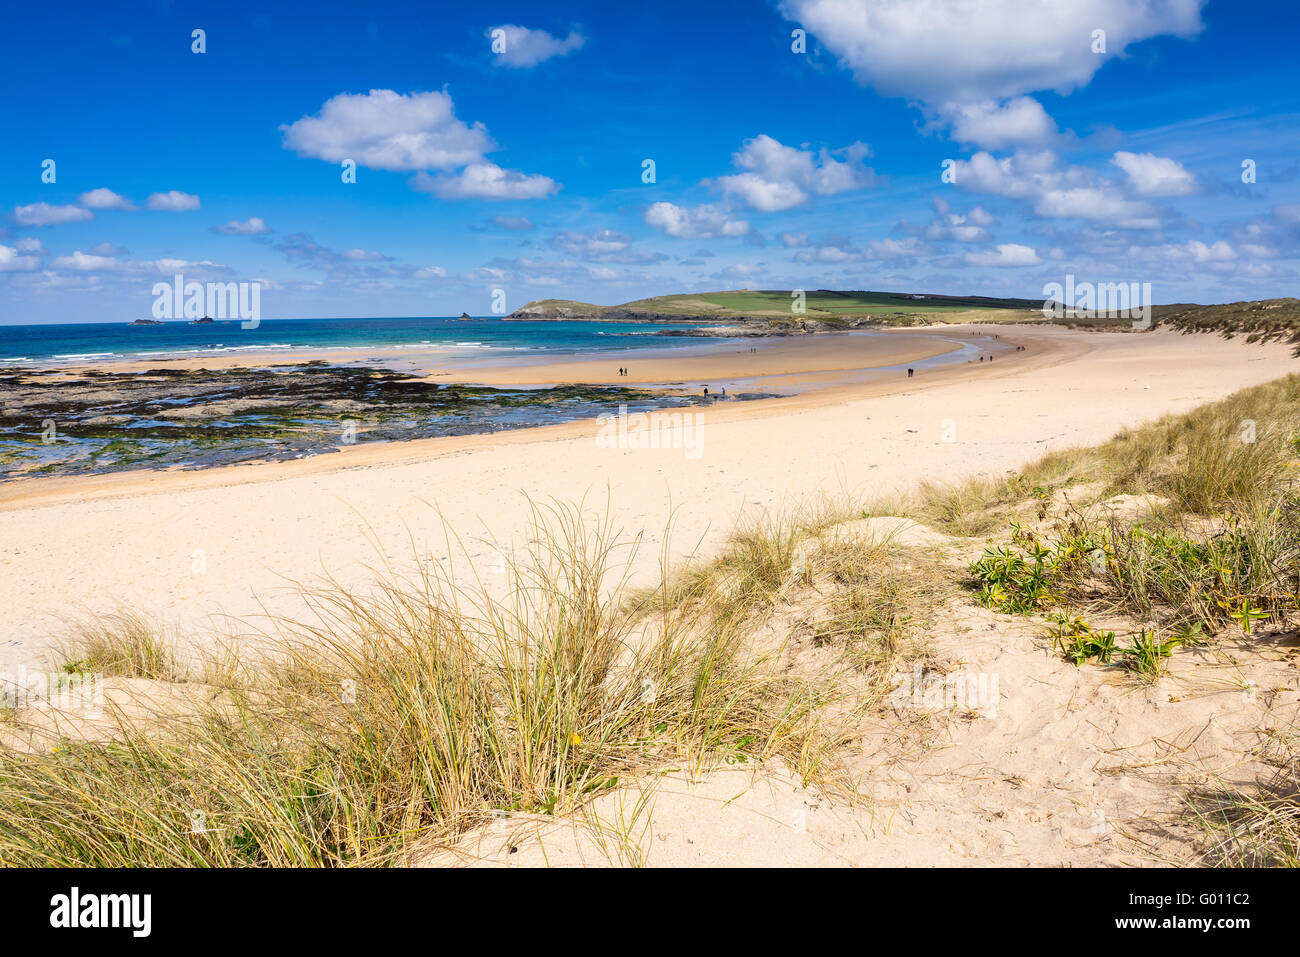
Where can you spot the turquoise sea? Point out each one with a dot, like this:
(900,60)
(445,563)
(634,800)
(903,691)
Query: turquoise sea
(53,344)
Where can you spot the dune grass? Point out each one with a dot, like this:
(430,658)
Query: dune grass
(1229,453)
(405,715)
(1253,826)
(120,644)
(400,716)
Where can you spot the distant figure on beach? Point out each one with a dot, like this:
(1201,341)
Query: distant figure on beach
(706,390)
(909,373)
(981,358)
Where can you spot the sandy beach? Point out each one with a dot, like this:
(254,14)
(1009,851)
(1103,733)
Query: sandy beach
(253,529)
(209,552)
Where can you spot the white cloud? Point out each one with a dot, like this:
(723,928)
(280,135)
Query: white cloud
(525,47)
(88,262)
(92,262)
(391,131)
(173,201)
(1096,203)
(778,177)
(1005,254)
(1259,252)
(702,222)
(1217,255)
(253,226)
(104,198)
(894,248)
(43,214)
(603,245)
(486,180)
(415,132)
(941,51)
(970,228)
(1067,192)
(830,250)
(1151,175)
(12,261)
(742,271)
(1018,122)
(431,272)
(1218,251)
(513,222)
(794,240)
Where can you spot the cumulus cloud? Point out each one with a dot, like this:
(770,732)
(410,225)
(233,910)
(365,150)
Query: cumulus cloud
(301,249)
(895,248)
(88,262)
(92,262)
(104,198)
(941,51)
(969,65)
(519,47)
(1151,175)
(603,245)
(969,228)
(1005,254)
(253,226)
(391,131)
(832,249)
(1054,190)
(702,222)
(173,201)
(43,214)
(486,180)
(777,177)
(12,260)
(412,132)
(1018,122)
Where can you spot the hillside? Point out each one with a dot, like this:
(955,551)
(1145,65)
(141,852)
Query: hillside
(828,310)
(757,305)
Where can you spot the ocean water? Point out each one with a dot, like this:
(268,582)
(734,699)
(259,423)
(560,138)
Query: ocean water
(107,341)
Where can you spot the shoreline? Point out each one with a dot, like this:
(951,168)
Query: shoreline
(260,529)
(818,388)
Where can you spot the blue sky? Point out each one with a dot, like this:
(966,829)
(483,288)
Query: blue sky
(522,169)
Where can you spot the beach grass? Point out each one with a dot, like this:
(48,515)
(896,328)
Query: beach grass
(404,716)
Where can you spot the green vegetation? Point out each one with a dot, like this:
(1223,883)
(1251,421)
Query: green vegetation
(1258,320)
(406,717)
(821,304)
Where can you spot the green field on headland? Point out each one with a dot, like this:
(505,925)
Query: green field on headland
(775,304)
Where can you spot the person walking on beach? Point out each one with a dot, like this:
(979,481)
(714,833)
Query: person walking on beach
(909,373)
